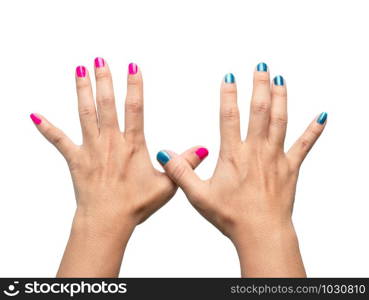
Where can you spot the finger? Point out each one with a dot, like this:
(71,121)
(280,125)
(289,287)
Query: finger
(278,114)
(134,119)
(106,109)
(195,155)
(54,135)
(86,105)
(181,172)
(260,103)
(302,146)
(229,114)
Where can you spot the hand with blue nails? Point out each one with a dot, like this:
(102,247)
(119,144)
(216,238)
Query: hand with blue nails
(250,196)
(116,185)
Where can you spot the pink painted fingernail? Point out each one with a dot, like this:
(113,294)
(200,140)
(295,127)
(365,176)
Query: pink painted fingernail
(81,71)
(35,119)
(202,153)
(132,69)
(99,62)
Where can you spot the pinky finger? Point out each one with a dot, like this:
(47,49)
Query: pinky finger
(54,135)
(302,146)
(195,155)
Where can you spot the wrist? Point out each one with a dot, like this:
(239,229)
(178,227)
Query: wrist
(260,233)
(95,247)
(269,251)
(102,226)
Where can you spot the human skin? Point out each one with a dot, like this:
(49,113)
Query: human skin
(250,196)
(115,183)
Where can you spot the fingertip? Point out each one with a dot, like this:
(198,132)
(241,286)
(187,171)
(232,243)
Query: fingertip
(279,88)
(99,62)
(81,72)
(279,80)
(132,69)
(261,74)
(304,144)
(163,157)
(134,74)
(101,68)
(262,67)
(322,118)
(82,78)
(229,78)
(229,85)
(36,119)
(202,153)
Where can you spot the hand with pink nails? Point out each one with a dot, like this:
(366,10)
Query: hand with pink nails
(250,196)
(115,183)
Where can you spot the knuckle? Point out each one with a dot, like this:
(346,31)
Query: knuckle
(230,113)
(107,100)
(53,136)
(230,90)
(134,81)
(262,78)
(280,91)
(57,140)
(86,111)
(102,75)
(131,150)
(305,143)
(48,132)
(230,158)
(314,131)
(134,105)
(178,169)
(260,107)
(278,121)
(82,84)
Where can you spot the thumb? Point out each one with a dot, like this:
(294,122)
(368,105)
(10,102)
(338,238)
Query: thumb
(180,168)
(54,135)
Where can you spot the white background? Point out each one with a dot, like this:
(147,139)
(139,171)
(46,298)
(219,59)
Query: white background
(184,48)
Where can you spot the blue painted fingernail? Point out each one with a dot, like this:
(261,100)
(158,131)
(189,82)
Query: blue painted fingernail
(262,67)
(278,80)
(322,118)
(229,78)
(163,157)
